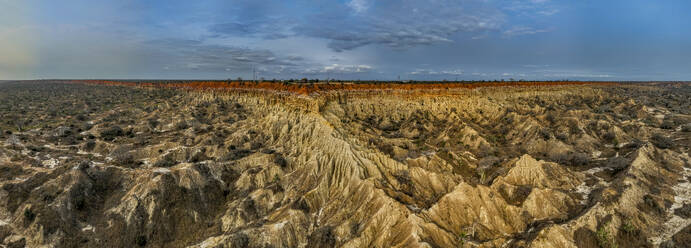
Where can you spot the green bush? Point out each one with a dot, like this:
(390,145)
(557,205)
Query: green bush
(604,238)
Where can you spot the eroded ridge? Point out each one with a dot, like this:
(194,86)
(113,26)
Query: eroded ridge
(559,166)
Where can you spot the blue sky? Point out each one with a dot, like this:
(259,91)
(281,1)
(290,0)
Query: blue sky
(347,39)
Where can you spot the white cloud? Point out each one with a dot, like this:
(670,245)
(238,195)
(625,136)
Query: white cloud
(577,75)
(523,30)
(358,6)
(548,12)
(455,72)
(401,24)
(339,69)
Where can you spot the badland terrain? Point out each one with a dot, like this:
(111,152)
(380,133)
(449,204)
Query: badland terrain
(232,164)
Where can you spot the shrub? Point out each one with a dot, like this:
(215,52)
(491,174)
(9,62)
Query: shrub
(140,240)
(604,238)
(89,145)
(29,215)
(165,161)
(302,205)
(686,128)
(79,202)
(661,141)
(573,127)
(84,164)
(617,163)
(488,161)
(111,133)
(152,122)
(403,177)
(280,160)
(684,211)
(545,133)
(181,125)
(235,154)
(572,159)
(667,124)
(634,144)
(197,156)
(122,155)
(628,228)
(322,237)
(240,240)
(609,136)
(561,136)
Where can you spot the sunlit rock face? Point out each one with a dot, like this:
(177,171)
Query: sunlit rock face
(553,166)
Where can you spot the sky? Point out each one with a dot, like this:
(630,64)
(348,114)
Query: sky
(346,39)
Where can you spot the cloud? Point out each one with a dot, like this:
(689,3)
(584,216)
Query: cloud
(400,24)
(523,30)
(358,6)
(430,72)
(576,75)
(530,8)
(536,66)
(339,69)
(548,12)
(571,74)
(356,23)
(270,28)
(403,24)
(196,55)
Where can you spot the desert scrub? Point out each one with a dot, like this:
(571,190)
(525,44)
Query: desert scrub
(661,141)
(604,238)
(29,215)
(280,160)
(122,156)
(686,128)
(165,161)
(628,228)
(461,239)
(182,125)
(111,133)
(140,240)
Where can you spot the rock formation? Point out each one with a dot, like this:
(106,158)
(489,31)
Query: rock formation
(547,166)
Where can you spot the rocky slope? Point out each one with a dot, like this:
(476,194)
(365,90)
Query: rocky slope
(557,166)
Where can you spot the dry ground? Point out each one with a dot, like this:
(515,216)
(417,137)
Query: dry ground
(557,166)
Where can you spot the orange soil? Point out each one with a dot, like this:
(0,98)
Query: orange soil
(310,88)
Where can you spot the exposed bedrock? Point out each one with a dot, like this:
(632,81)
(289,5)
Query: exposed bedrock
(562,166)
